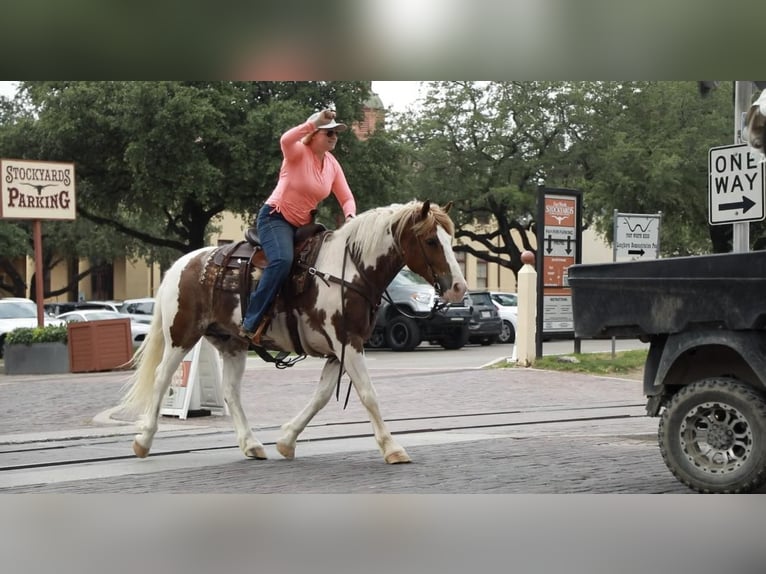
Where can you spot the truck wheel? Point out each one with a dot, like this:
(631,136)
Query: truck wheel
(455,338)
(402,334)
(377,340)
(507,334)
(712,436)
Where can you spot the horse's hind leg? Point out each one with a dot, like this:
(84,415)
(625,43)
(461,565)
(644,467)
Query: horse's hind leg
(171,359)
(291,429)
(233,369)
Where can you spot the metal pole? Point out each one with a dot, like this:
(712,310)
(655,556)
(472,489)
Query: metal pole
(743,95)
(38,239)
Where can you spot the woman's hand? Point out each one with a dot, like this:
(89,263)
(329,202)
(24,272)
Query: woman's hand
(321,118)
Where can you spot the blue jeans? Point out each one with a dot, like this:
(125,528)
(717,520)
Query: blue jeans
(277,238)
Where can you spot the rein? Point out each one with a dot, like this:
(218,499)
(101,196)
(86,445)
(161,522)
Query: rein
(328,278)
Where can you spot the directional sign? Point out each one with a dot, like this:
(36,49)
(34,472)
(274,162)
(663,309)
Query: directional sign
(737,184)
(636,236)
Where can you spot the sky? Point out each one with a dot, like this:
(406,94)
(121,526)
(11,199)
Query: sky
(395,95)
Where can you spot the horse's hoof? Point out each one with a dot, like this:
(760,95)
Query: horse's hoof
(286,451)
(398,457)
(257,452)
(140,451)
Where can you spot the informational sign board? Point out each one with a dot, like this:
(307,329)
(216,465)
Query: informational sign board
(736,186)
(636,236)
(559,240)
(37,190)
(196,384)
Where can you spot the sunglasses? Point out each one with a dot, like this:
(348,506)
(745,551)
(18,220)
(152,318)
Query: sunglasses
(331,133)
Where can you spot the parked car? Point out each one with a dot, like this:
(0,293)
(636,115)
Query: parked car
(412,319)
(138,330)
(59,307)
(485,325)
(507,307)
(18,312)
(140,310)
(115,306)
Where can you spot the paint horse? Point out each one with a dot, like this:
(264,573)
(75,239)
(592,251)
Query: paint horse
(327,312)
(755,120)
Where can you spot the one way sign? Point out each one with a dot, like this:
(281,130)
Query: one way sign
(736,186)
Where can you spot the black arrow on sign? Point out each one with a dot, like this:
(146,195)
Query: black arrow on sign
(569,242)
(636,252)
(744,205)
(550,241)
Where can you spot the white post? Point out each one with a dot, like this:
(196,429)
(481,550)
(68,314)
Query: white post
(524,350)
(743,94)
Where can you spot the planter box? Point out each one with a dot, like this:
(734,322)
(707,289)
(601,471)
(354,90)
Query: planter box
(99,345)
(36,359)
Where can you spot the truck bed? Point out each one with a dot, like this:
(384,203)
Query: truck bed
(644,298)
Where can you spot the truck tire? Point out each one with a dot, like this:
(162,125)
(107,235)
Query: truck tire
(455,338)
(402,334)
(377,340)
(507,334)
(712,436)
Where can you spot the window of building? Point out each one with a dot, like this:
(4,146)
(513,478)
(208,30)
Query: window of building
(460,256)
(481,274)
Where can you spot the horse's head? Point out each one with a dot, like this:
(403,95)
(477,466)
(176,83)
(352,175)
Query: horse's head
(756,123)
(425,240)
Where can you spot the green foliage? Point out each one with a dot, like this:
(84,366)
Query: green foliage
(622,363)
(31,335)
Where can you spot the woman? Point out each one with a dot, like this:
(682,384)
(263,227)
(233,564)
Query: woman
(308,174)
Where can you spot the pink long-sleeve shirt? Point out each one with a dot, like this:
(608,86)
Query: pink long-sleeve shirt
(304,181)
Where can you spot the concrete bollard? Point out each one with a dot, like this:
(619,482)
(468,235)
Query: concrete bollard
(524,350)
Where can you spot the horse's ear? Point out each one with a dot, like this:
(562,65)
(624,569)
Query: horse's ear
(447,207)
(426,209)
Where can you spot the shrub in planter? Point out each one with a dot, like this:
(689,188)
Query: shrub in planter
(36,350)
(30,335)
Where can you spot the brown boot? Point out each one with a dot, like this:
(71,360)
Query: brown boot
(255,336)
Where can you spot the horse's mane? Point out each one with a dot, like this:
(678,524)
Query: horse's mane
(381,225)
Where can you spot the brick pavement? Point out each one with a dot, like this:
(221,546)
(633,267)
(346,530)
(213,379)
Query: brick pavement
(560,458)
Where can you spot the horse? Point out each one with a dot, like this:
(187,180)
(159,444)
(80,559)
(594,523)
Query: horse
(755,120)
(327,312)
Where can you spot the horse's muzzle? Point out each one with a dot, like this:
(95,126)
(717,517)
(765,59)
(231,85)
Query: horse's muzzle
(452,292)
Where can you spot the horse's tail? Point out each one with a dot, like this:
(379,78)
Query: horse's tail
(140,388)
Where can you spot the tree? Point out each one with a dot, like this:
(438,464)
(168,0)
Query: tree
(637,147)
(645,150)
(485,146)
(156,162)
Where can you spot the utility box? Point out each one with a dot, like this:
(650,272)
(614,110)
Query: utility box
(99,345)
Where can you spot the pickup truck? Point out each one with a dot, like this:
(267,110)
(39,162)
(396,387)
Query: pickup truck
(705,373)
(409,317)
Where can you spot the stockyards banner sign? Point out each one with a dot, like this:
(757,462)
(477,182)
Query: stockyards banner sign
(36,190)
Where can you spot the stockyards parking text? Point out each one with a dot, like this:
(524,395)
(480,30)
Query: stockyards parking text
(37,190)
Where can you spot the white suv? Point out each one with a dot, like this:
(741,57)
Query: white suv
(507,307)
(140,310)
(18,312)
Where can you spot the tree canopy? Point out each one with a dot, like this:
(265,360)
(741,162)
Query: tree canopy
(158,162)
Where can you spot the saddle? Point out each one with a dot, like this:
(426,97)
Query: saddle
(231,266)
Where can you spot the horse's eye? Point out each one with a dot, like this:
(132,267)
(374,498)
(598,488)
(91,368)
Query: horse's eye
(432,242)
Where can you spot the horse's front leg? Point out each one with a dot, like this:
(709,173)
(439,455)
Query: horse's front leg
(356,367)
(291,429)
